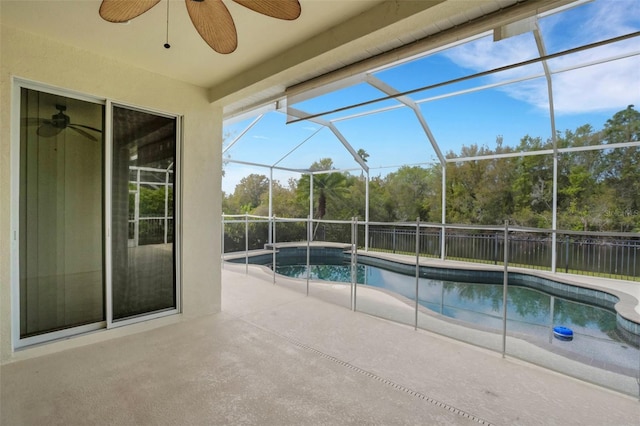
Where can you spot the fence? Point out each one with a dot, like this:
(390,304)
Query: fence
(488,308)
(150,230)
(610,255)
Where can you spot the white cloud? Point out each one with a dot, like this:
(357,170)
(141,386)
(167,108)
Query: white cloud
(590,89)
(260,137)
(598,88)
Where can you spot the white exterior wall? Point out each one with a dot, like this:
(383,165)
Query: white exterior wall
(31,57)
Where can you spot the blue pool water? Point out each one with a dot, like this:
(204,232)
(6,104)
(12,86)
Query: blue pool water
(598,340)
(480,304)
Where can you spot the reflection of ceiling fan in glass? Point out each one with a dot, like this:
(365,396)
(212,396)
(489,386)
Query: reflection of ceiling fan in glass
(210,17)
(59,122)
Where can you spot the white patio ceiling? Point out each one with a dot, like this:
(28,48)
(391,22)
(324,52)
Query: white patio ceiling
(271,54)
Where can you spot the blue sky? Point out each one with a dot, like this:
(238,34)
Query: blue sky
(587,95)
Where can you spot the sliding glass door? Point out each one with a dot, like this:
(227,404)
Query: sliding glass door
(96,214)
(61,256)
(143,174)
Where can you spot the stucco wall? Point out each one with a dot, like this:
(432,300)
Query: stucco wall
(31,57)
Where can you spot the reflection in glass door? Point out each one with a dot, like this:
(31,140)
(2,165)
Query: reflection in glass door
(143,175)
(61,257)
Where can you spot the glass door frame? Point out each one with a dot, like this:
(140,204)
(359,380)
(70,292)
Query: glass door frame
(17,84)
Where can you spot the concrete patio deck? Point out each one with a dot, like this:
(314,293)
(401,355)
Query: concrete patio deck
(276,357)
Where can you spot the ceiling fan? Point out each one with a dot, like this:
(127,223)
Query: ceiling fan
(210,17)
(59,122)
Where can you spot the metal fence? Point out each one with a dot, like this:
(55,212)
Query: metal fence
(150,230)
(610,255)
(605,255)
(480,310)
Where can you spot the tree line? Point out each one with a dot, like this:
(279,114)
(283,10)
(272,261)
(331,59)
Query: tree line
(598,189)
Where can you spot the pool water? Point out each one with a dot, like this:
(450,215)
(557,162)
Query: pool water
(530,313)
(477,303)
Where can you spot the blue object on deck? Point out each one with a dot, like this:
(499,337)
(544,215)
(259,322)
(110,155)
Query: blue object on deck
(563,333)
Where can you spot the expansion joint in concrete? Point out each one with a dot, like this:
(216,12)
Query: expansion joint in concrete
(380,379)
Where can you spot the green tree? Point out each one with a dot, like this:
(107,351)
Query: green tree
(464,181)
(533,185)
(580,188)
(623,168)
(411,191)
(325,185)
(250,190)
(363,154)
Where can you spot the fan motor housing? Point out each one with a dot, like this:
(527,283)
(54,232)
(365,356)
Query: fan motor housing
(60,120)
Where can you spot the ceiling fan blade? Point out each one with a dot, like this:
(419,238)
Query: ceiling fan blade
(214,23)
(31,121)
(48,131)
(124,10)
(281,9)
(85,127)
(82,132)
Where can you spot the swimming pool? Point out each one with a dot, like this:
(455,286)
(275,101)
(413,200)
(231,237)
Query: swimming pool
(478,304)
(467,304)
(531,313)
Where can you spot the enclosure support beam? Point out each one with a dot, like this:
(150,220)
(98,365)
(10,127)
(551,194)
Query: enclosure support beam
(329,125)
(554,210)
(136,212)
(415,325)
(443,246)
(385,88)
(366,214)
(311,202)
(233,142)
(271,204)
(505,286)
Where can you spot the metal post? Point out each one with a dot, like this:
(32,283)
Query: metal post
(273,244)
(366,218)
(309,225)
(505,283)
(355,261)
(246,243)
(415,326)
(352,266)
(554,219)
(495,249)
(542,50)
(552,304)
(311,198)
(166,205)
(638,377)
(222,244)
(566,252)
(443,246)
(394,239)
(271,237)
(136,211)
